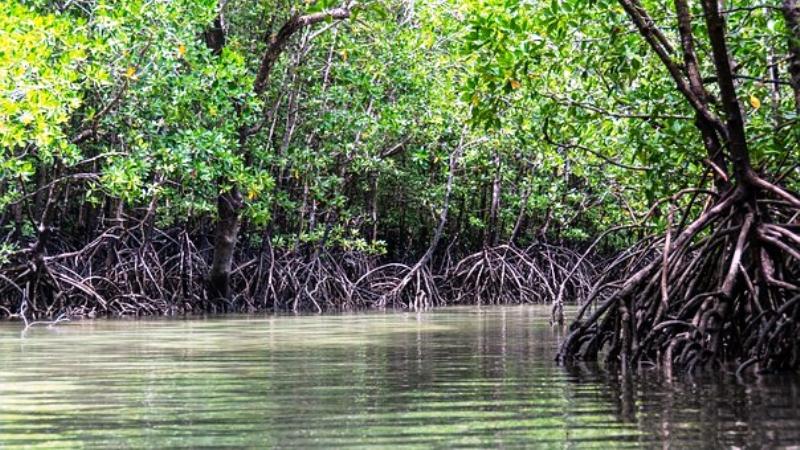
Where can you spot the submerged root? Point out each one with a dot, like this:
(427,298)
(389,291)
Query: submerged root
(722,289)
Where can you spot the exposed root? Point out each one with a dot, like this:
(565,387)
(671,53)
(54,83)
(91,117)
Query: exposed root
(133,272)
(120,273)
(398,286)
(507,275)
(722,289)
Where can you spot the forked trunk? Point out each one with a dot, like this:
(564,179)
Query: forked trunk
(229,204)
(723,287)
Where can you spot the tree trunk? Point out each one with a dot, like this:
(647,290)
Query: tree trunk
(773,62)
(228,206)
(710,139)
(373,206)
(228,203)
(519,224)
(737,139)
(491,236)
(214,36)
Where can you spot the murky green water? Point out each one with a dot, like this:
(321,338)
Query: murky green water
(448,378)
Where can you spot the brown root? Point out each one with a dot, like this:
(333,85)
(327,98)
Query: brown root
(507,274)
(135,271)
(723,289)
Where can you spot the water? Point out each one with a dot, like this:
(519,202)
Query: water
(464,377)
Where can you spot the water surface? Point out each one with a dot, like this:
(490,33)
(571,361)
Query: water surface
(455,377)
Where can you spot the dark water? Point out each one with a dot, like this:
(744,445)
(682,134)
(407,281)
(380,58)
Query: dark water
(448,378)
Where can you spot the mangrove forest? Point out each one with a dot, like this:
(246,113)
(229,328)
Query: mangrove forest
(399,223)
(631,165)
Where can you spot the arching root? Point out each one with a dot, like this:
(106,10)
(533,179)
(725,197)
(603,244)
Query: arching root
(722,289)
(507,274)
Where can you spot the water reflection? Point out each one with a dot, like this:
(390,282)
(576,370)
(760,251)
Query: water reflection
(465,377)
(705,410)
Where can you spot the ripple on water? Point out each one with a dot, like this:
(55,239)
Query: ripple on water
(464,377)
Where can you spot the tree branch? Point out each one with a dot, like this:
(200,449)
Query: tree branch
(646,28)
(278,41)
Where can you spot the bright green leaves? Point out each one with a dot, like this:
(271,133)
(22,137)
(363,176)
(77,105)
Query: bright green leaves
(178,126)
(321,5)
(40,60)
(501,45)
(573,82)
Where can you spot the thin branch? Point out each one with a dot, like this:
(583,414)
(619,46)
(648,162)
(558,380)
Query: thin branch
(278,41)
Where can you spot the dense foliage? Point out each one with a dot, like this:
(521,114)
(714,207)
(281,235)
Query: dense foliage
(128,103)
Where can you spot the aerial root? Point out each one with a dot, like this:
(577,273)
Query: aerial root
(122,272)
(507,274)
(724,289)
(136,271)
